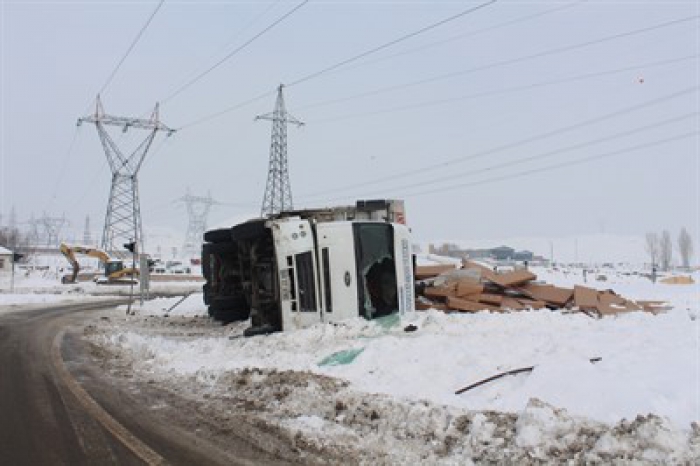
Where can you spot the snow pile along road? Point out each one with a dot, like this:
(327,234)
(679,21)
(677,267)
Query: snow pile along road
(375,387)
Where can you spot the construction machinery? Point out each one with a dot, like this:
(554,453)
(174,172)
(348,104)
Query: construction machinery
(114,270)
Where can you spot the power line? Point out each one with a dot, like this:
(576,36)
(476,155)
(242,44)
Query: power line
(476,32)
(532,158)
(548,167)
(510,61)
(449,100)
(390,43)
(212,116)
(561,164)
(131,47)
(235,51)
(515,144)
(337,65)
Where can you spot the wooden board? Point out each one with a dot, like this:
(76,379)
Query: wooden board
(469,306)
(440,292)
(430,271)
(585,298)
(607,297)
(486,272)
(511,304)
(468,287)
(495,299)
(517,277)
(531,304)
(549,293)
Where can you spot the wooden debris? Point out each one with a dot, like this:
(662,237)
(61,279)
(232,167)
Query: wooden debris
(440,292)
(477,288)
(585,298)
(549,293)
(468,287)
(430,271)
(517,277)
(487,298)
(680,280)
(469,306)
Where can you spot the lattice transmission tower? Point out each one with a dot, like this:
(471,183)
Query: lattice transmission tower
(198,208)
(52,227)
(123,217)
(278,191)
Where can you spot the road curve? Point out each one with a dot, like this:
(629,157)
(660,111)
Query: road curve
(60,413)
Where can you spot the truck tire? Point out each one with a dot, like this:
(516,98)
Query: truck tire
(248,230)
(231,315)
(220,248)
(228,302)
(221,235)
(206,290)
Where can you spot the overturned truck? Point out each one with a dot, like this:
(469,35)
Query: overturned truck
(301,267)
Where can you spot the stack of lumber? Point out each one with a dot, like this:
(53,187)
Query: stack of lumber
(474,288)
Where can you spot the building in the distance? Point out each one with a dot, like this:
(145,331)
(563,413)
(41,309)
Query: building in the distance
(5,259)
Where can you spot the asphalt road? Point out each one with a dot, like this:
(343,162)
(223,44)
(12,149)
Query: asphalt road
(61,413)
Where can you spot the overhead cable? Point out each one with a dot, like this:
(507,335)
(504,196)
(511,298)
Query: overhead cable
(390,43)
(235,51)
(564,129)
(510,61)
(131,47)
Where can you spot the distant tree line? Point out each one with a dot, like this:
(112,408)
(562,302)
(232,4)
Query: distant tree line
(13,239)
(660,248)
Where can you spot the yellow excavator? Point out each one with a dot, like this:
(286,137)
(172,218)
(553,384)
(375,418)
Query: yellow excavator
(114,268)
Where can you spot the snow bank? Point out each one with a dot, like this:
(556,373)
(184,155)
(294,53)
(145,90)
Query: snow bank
(649,363)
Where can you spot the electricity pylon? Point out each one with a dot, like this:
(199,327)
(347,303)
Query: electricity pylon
(87,236)
(123,217)
(198,208)
(52,228)
(278,191)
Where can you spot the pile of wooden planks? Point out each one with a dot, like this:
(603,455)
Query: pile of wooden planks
(474,288)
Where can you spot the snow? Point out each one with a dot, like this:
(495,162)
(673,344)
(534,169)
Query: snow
(650,363)
(397,396)
(190,306)
(34,287)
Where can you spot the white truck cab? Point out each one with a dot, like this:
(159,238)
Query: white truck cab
(301,268)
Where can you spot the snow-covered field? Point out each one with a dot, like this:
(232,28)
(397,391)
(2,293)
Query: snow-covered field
(44,287)
(405,380)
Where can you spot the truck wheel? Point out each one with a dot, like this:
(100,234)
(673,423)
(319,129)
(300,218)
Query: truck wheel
(221,235)
(228,302)
(231,315)
(220,249)
(248,230)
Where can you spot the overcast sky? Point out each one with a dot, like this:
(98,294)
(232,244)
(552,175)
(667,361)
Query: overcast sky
(523,118)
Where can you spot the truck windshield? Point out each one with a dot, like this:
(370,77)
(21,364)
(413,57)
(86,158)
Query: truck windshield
(376,272)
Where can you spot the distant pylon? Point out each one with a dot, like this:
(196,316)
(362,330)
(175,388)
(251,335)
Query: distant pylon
(198,208)
(278,191)
(87,237)
(52,228)
(123,217)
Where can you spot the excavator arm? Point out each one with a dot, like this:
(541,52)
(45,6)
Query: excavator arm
(114,270)
(67,251)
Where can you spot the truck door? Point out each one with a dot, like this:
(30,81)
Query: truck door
(404,268)
(298,275)
(338,273)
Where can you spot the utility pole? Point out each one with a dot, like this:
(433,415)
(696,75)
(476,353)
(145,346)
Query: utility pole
(278,191)
(198,208)
(123,217)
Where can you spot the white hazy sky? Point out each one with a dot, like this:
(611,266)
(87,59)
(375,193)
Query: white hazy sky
(477,124)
